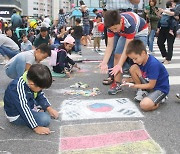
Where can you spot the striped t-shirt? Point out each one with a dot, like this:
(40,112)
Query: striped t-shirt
(132,25)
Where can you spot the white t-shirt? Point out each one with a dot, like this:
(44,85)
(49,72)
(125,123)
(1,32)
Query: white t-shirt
(8,42)
(29,58)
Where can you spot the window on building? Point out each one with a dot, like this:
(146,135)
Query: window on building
(36,15)
(35,8)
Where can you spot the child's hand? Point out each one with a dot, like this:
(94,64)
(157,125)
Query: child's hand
(53,112)
(42,130)
(68,74)
(129,84)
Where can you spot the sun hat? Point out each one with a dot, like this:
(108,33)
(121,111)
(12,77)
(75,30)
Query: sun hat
(69,39)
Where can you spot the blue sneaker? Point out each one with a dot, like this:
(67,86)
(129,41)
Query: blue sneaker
(115,88)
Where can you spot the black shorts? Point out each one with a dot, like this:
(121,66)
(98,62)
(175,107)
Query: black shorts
(156,96)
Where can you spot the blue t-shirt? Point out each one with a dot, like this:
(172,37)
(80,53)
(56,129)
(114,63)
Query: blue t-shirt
(154,70)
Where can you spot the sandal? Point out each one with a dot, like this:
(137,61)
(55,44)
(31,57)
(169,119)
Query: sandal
(107,81)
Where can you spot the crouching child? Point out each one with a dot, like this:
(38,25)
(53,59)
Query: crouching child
(64,64)
(149,75)
(24,94)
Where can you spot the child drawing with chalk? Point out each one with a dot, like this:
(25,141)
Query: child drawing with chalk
(23,95)
(149,75)
(64,64)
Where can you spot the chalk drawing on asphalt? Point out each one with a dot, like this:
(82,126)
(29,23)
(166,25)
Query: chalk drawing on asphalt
(111,137)
(97,109)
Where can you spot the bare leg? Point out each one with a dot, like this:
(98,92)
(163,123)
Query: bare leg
(148,105)
(135,73)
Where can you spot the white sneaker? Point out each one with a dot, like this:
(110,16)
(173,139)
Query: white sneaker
(178,95)
(164,100)
(140,95)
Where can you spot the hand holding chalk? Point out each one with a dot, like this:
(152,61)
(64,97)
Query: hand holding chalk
(127,84)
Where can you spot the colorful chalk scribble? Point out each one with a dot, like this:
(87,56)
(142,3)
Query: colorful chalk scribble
(112,138)
(1,103)
(100,107)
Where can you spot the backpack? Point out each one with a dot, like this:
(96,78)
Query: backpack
(53,58)
(164,21)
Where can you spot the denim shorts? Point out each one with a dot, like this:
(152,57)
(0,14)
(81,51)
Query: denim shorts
(86,30)
(122,40)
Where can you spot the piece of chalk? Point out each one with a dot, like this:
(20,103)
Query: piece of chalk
(52,131)
(2,128)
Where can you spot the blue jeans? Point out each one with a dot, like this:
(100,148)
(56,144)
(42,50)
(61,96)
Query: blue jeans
(77,45)
(151,39)
(119,42)
(86,30)
(111,59)
(16,68)
(42,118)
(5,51)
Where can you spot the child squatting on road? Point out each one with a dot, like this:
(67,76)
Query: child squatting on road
(64,64)
(23,96)
(22,61)
(149,75)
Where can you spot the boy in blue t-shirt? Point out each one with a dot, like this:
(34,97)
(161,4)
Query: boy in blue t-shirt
(149,75)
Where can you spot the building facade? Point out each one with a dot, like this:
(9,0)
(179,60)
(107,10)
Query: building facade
(36,7)
(7,6)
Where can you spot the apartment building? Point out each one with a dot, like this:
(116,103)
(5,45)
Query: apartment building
(36,7)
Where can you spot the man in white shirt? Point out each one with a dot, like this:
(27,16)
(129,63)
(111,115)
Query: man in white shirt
(8,48)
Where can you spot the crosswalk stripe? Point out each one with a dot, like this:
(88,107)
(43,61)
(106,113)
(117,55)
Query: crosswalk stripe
(174,57)
(174,80)
(170,66)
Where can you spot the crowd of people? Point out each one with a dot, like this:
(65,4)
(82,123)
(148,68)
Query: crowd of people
(127,36)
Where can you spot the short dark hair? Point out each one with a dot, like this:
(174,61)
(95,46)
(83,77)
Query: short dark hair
(23,35)
(45,48)
(155,2)
(61,27)
(14,11)
(61,11)
(135,46)
(7,29)
(78,20)
(81,2)
(98,16)
(43,29)
(94,10)
(40,75)
(176,1)
(168,4)
(104,9)
(111,18)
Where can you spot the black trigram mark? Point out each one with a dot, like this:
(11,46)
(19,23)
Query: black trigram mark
(72,102)
(72,114)
(126,112)
(122,101)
